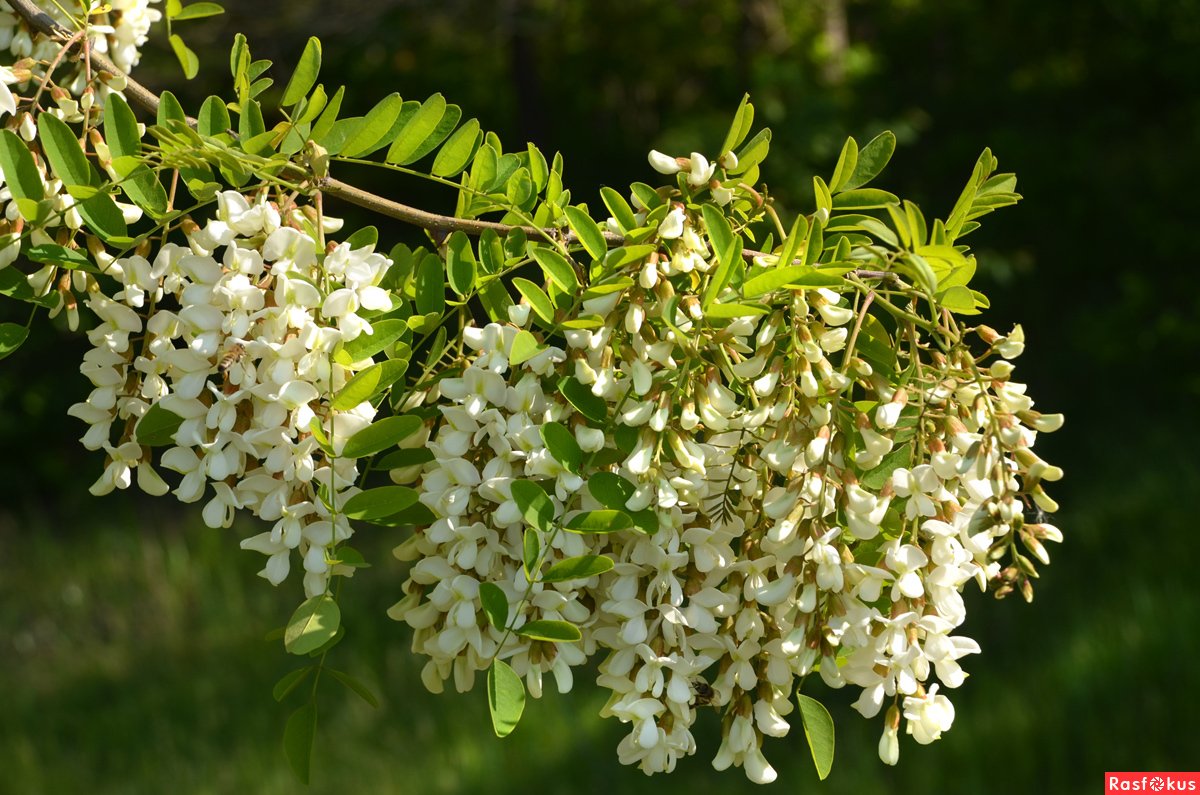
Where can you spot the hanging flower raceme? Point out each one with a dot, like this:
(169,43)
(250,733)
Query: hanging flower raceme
(782,498)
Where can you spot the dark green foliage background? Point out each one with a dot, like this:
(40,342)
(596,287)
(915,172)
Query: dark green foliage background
(130,636)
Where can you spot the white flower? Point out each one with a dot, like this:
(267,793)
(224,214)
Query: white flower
(928,716)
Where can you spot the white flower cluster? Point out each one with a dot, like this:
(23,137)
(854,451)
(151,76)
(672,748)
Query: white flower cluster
(763,552)
(240,329)
(117,32)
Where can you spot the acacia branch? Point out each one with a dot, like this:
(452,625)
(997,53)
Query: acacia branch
(43,23)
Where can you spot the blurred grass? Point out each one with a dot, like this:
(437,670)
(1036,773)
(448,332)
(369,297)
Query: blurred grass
(134,663)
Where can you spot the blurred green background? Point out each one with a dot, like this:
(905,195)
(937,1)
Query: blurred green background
(131,647)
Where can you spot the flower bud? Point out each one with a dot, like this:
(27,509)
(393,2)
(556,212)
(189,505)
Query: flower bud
(665,164)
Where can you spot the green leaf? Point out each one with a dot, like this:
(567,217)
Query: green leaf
(349,556)
(365,346)
(588,232)
(213,118)
(619,208)
(314,427)
(556,267)
(64,152)
(773,280)
(864,199)
(753,152)
(531,549)
(69,258)
(900,456)
(595,409)
(920,269)
(381,434)
(352,683)
(314,622)
(329,116)
(120,127)
(169,109)
(610,490)
(815,244)
(871,160)
(139,183)
(524,347)
(417,130)
(11,338)
(743,120)
(187,58)
(198,11)
(404,457)
(818,728)
(846,164)
(460,263)
(379,503)
(449,121)
(369,383)
(375,126)
(495,604)
(520,190)
(431,285)
(506,698)
(458,151)
(578,568)
(539,170)
(66,157)
(726,311)
(553,631)
(20,172)
(647,195)
(603,521)
(727,247)
(562,445)
(299,737)
(305,76)
(157,427)
(958,299)
(289,682)
(535,506)
(537,298)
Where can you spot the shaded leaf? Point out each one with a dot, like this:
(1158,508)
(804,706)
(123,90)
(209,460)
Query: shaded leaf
(289,682)
(299,736)
(536,508)
(495,604)
(360,689)
(157,427)
(312,624)
(506,698)
(577,568)
(12,336)
(818,728)
(554,631)
(379,503)
(603,521)
(381,434)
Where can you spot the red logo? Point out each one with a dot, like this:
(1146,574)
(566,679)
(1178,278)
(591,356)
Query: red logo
(1151,782)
